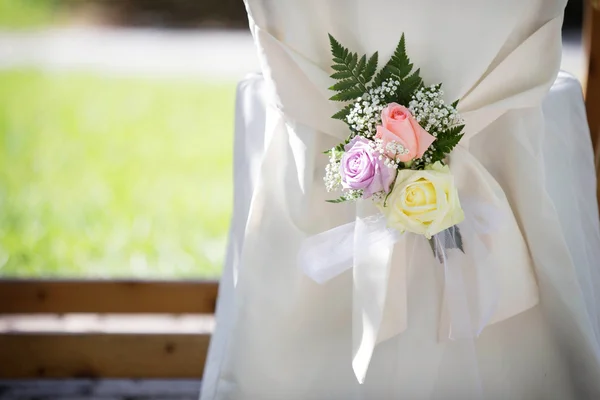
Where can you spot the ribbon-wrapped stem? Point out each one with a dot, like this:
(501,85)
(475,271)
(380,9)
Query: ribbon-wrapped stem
(451,237)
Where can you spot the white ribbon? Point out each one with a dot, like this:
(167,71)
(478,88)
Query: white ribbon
(329,254)
(470,291)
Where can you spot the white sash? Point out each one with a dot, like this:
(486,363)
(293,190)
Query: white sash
(493,280)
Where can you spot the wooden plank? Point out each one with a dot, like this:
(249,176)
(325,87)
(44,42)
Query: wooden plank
(591,41)
(107,323)
(101,355)
(55,297)
(100,389)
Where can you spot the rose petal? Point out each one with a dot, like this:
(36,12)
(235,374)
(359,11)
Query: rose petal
(425,139)
(387,137)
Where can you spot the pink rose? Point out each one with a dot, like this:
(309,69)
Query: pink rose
(399,127)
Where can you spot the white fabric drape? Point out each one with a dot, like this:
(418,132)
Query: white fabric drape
(281,336)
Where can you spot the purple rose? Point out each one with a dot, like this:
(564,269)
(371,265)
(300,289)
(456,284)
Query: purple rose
(361,168)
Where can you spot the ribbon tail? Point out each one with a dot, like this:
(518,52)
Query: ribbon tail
(365,245)
(470,290)
(371,274)
(324,256)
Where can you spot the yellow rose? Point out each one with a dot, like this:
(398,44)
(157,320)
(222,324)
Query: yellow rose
(424,201)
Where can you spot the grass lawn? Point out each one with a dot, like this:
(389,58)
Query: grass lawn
(28,13)
(113,177)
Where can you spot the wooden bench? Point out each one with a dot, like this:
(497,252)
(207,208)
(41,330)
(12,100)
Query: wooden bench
(59,353)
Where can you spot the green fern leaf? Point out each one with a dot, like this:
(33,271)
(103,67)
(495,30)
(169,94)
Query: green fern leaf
(344,85)
(398,66)
(371,67)
(339,148)
(341,75)
(352,63)
(393,70)
(339,67)
(445,142)
(343,113)
(408,87)
(404,71)
(400,58)
(350,94)
(381,76)
(348,58)
(338,200)
(353,72)
(337,50)
(454,131)
(360,67)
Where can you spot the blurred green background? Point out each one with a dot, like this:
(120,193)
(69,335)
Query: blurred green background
(28,13)
(106,176)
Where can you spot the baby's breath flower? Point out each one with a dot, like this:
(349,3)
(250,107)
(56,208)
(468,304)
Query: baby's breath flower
(430,110)
(366,113)
(392,147)
(353,195)
(333,179)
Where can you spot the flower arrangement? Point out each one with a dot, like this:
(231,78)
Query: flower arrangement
(401,132)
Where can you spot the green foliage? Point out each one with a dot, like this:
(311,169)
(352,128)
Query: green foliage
(343,113)
(445,142)
(371,68)
(339,148)
(398,66)
(341,199)
(345,197)
(407,88)
(353,73)
(113,177)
